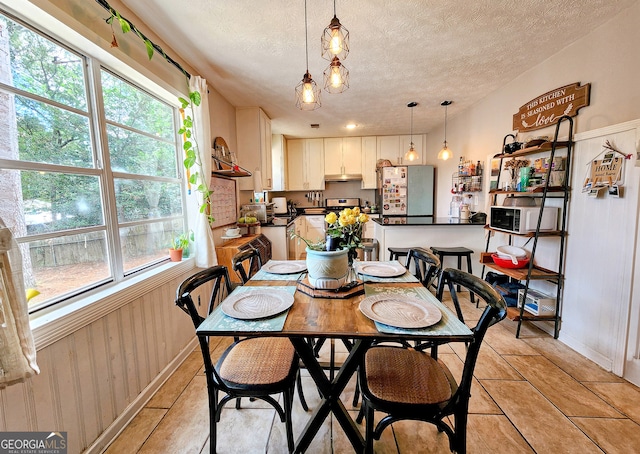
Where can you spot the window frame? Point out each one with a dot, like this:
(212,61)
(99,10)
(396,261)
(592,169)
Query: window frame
(92,66)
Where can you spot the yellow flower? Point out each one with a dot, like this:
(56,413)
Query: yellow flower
(331,218)
(356,211)
(363,218)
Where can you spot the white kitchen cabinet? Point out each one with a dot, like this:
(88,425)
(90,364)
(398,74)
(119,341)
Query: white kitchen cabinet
(394,148)
(343,156)
(253,137)
(305,164)
(315,229)
(300,226)
(278,163)
(279,241)
(369,160)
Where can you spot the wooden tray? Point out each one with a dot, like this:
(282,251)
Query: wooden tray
(305,287)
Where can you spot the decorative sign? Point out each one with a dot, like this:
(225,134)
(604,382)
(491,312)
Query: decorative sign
(605,172)
(545,110)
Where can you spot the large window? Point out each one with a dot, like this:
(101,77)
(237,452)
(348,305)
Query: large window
(89,181)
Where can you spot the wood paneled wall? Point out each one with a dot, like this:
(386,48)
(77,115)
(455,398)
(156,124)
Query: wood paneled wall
(94,380)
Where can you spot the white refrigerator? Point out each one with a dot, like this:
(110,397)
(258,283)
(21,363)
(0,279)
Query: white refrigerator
(405,190)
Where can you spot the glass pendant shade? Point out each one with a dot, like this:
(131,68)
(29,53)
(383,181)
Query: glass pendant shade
(307,93)
(336,77)
(411,154)
(335,40)
(445,153)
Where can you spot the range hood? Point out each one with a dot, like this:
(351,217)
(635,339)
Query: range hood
(343,177)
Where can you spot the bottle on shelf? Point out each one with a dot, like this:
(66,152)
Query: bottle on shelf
(460,166)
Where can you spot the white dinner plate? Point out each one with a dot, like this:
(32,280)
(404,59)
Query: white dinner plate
(400,311)
(255,304)
(285,266)
(380,269)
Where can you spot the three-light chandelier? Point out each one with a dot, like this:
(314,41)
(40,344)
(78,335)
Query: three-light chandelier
(335,48)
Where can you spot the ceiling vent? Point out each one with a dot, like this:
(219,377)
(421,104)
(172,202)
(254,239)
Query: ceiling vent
(315,125)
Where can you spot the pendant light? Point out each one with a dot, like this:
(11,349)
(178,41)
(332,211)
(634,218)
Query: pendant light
(307,92)
(336,77)
(335,39)
(445,153)
(411,154)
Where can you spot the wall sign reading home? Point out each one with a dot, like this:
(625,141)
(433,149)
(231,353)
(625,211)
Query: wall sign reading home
(544,110)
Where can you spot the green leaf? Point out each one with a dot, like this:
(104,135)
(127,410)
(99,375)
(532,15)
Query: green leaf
(189,162)
(183,101)
(202,188)
(182,131)
(195,97)
(187,145)
(149,46)
(187,122)
(124,25)
(193,179)
(187,133)
(203,208)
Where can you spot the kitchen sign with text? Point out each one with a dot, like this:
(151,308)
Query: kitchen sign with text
(545,110)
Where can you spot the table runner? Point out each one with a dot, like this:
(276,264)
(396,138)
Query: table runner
(219,321)
(448,325)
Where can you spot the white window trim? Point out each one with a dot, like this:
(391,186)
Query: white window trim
(52,324)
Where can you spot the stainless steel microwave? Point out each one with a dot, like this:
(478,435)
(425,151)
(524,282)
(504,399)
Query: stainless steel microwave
(523,219)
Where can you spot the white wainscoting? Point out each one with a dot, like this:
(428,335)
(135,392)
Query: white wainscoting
(95,379)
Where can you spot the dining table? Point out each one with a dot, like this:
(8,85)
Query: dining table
(395,297)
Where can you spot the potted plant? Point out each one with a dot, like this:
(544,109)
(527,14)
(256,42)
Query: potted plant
(328,261)
(180,246)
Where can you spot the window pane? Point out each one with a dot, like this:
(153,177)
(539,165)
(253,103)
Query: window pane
(42,67)
(64,265)
(142,199)
(48,201)
(128,105)
(144,244)
(139,154)
(48,134)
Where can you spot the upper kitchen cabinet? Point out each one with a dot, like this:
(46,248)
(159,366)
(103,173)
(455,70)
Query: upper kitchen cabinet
(343,156)
(305,164)
(394,148)
(369,160)
(279,163)
(253,137)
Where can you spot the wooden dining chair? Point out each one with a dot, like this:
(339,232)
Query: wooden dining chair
(246,263)
(258,367)
(411,384)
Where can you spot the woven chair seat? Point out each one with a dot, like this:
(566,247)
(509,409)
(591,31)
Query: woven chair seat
(407,376)
(258,361)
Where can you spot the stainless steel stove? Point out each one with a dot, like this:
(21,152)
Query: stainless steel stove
(340,204)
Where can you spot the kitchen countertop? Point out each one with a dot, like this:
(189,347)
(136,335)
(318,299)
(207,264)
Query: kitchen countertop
(422,220)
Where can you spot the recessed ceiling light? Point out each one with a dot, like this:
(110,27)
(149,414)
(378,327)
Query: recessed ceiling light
(351,126)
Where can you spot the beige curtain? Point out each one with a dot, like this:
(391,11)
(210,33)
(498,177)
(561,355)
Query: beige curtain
(204,245)
(17,349)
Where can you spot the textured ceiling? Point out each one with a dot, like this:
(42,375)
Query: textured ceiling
(253,53)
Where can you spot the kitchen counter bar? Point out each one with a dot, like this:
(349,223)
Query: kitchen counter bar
(424,221)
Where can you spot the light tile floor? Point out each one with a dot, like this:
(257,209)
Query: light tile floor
(532,394)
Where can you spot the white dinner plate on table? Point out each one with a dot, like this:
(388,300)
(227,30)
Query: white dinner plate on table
(285,266)
(400,311)
(251,305)
(380,269)
(225,237)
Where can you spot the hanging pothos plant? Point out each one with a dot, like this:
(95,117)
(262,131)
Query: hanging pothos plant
(190,144)
(192,156)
